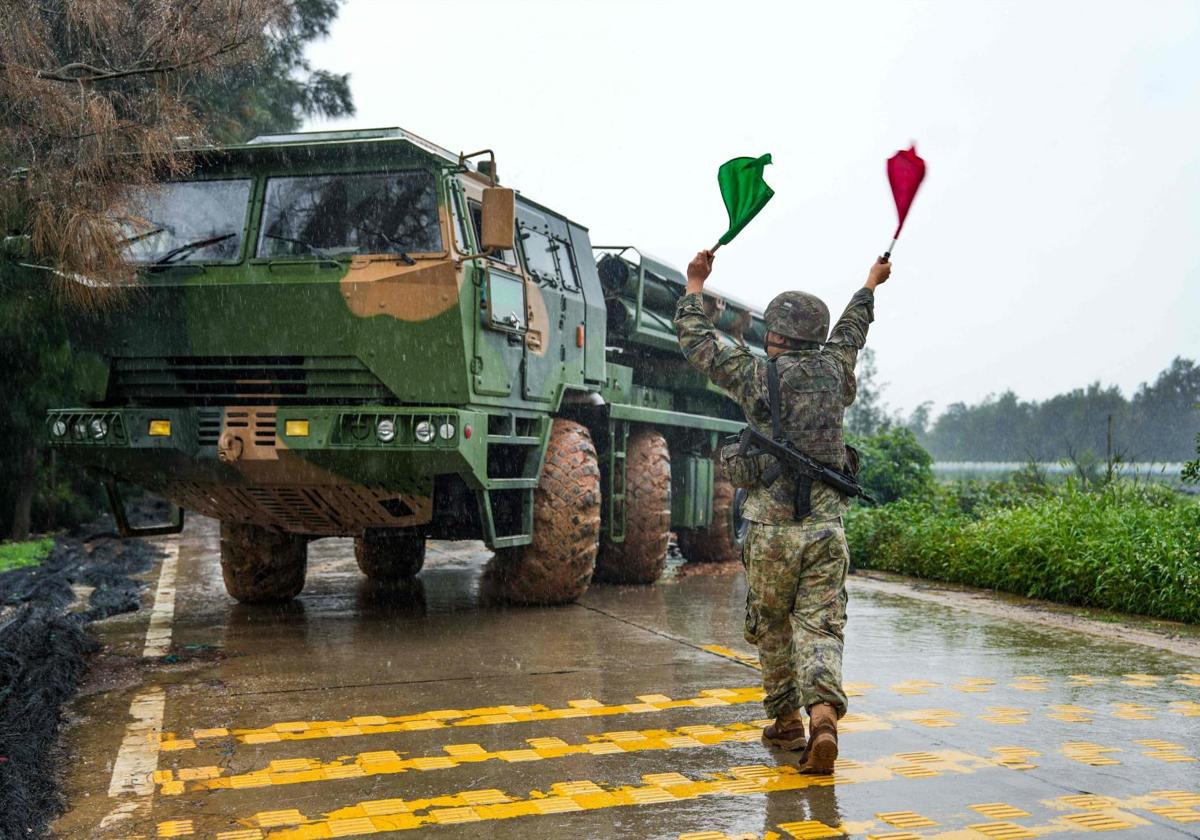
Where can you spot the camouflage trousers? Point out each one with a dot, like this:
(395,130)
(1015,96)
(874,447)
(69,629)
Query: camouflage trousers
(796,611)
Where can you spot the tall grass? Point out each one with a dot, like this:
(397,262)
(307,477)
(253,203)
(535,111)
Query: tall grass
(1132,548)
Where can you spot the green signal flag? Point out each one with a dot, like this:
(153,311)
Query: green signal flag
(745,192)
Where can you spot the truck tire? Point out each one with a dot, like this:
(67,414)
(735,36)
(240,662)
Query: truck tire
(641,556)
(260,565)
(721,541)
(390,555)
(557,566)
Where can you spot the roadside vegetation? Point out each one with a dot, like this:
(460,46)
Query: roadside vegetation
(18,555)
(1092,540)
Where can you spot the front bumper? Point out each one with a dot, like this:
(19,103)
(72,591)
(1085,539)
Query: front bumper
(252,464)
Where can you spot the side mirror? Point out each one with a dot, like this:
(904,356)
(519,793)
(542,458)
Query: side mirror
(499,213)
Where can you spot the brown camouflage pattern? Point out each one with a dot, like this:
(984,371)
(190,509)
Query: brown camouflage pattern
(816,386)
(796,612)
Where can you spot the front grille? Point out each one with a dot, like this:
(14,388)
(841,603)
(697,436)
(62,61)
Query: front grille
(244,380)
(208,429)
(260,424)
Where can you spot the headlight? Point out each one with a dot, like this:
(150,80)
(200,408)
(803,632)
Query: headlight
(58,428)
(424,431)
(446,431)
(386,431)
(98,428)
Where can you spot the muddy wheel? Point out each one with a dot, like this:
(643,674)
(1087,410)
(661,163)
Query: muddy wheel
(643,553)
(721,541)
(390,555)
(556,567)
(261,565)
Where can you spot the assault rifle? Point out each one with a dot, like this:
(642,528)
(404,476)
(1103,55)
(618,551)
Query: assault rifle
(804,467)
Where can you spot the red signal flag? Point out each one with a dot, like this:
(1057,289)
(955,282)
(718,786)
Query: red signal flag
(906,171)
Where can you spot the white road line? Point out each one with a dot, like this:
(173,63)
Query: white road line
(133,771)
(158,634)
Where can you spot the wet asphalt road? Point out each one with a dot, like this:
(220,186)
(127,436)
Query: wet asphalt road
(356,711)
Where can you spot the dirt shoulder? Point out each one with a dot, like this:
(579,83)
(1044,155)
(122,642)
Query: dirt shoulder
(1172,636)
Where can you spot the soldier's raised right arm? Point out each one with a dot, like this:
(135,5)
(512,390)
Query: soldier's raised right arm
(849,334)
(733,368)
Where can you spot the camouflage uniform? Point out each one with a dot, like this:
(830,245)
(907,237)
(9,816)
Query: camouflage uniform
(796,571)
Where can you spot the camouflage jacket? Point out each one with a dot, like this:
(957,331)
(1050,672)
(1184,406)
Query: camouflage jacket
(816,388)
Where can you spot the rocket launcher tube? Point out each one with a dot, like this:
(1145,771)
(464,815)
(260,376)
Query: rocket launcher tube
(625,283)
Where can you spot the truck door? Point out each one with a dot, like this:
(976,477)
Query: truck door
(502,323)
(552,262)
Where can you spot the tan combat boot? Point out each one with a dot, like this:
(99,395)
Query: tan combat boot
(787,732)
(823,744)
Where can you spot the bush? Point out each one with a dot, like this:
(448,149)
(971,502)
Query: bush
(893,465)
(1131,548)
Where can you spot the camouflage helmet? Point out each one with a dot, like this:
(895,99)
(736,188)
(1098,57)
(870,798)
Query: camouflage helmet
(798,315)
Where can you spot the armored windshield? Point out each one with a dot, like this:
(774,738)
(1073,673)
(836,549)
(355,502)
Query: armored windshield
(165,222)
(334,215)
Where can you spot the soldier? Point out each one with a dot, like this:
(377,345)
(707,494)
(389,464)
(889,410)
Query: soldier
(795,553)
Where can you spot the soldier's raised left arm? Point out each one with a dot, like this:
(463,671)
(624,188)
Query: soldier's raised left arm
(731,367)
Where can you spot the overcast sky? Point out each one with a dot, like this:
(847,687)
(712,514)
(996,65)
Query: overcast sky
(1054,241)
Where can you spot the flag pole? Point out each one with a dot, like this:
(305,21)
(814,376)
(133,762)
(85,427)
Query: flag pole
(714,248)
(887,255)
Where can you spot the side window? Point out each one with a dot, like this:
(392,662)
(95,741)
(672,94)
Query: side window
(461,240)
(506,256)
(566,265)
(539,253)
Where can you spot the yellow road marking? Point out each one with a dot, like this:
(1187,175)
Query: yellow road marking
(1015,758)
(446,718)
(932,718)
(809,830)
(905,819)
(387,762)
(1088,753)
(1002,830)
(1187,708)
(999,811)
(1006,715)
(472,806)
(736,656)
(1095,813)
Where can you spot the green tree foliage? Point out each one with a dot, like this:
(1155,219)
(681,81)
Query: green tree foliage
(1191,470)
(1157,424)
(867,414)
(275,93)
(893,465)
(40,372)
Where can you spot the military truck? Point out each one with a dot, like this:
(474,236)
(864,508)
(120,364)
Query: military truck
(363,334)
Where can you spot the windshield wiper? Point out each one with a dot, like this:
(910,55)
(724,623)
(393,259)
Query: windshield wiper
(313,249)
(188,247)
(138,237)
(400,255)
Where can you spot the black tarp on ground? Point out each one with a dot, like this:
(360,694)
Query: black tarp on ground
(43,659)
